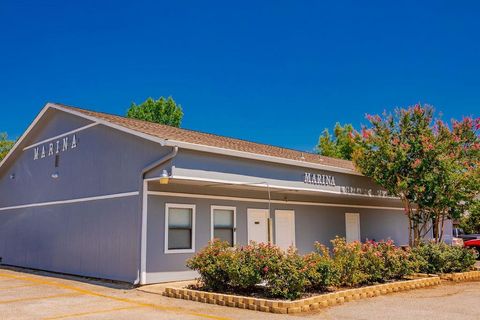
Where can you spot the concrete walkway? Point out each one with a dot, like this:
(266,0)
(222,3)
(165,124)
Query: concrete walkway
(38,295)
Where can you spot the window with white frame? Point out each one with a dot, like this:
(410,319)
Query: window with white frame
(179,228)
(223,224)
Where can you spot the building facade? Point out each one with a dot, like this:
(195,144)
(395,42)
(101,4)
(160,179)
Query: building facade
(99,195)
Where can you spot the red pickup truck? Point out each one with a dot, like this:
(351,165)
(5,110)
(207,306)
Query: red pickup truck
(475,245)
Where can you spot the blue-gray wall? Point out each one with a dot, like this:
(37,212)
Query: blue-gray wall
(312,223)
(94,238)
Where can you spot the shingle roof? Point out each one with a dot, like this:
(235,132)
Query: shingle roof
(190,136)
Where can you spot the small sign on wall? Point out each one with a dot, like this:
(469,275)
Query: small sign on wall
(55,147)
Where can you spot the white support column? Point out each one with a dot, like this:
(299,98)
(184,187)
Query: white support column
(143,260)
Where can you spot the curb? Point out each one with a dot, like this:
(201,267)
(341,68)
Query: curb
(302,305)
(460,276)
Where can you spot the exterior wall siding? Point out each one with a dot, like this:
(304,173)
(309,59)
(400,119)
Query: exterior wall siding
(95,238)
(312,223)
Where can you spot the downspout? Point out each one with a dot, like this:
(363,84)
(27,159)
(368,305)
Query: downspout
(143,241)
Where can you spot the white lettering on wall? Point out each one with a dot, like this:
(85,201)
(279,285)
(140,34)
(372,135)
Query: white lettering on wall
(65,144)
(55,147)
(319,179)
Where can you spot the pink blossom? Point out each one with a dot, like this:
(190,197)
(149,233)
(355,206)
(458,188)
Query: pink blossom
(416,163)
(366,133)
(265,269)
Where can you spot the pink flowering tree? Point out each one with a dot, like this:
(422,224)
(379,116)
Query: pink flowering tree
(431,166)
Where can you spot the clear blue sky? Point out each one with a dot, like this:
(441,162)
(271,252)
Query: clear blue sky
(276,72)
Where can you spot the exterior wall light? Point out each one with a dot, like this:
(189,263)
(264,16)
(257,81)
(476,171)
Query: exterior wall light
(55,175)
(164,179)
(12,176)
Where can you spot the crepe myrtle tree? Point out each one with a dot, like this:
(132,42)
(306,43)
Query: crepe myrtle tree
(163,111)
(432,167)
(5,144)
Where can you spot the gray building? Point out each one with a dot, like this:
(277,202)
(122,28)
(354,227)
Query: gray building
(99,195)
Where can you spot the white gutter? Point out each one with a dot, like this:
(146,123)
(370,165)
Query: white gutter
(142,279)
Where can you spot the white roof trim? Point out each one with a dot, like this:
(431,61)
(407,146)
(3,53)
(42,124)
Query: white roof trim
(211,149)
(264,184)
(181,144)
(260,157)
(109,124)
(307,203)
(24,135)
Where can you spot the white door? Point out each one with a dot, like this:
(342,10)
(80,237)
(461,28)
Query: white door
(352,226)
(257,225)
(284,228)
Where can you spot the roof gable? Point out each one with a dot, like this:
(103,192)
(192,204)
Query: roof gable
(195,140)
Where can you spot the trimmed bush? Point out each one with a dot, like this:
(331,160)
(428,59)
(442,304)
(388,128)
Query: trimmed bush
(320,269)
(267,269)
(213,263)
(442,258)
(284,274)
(347,258)
(251,268)
(370,262)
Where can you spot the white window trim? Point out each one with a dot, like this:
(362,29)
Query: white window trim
(180,206)
(212,209)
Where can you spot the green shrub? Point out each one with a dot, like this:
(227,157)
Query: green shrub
(284,274)
(320,269)
(246,270)
(442,258)
(250,268)
(399,262)
(288,275)
(347,258)
(371,262)
(213,263)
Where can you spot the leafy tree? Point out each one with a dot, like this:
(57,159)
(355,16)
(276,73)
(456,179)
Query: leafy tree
(432,168)
(5,144)
(163,111)
(341,145)
(470,222)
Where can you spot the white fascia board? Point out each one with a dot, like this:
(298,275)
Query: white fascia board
(260,157)
(24,135)
(258,200)
(111,125)
(266,185)
(210,149)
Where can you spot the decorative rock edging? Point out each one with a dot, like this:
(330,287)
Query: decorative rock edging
(461,276)
(307,304)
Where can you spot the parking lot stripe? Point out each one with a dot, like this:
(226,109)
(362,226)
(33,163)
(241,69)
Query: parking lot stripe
(41,298)
(126,300)
(20,286)
(81,314)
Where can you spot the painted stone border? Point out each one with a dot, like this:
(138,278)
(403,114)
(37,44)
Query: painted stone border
(302,305)
(461,276)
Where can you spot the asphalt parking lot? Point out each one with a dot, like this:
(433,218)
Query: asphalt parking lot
(38,295)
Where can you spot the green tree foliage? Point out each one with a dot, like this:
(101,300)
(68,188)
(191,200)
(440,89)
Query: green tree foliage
(163,111)
(341,144)
(432,167)
(5,145)
(470,222)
